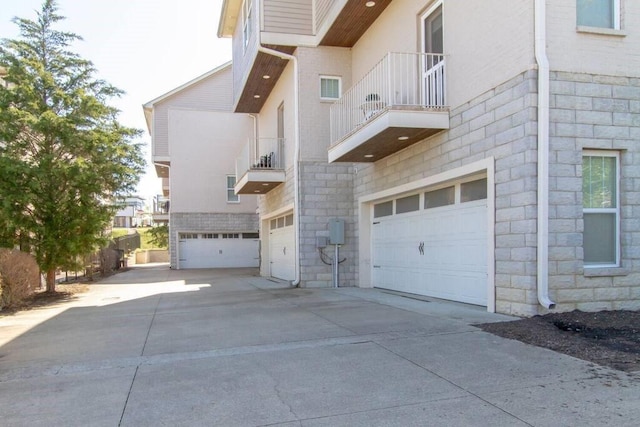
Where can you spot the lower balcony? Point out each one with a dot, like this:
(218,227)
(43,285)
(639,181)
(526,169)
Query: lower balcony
(260,167)
(400,102)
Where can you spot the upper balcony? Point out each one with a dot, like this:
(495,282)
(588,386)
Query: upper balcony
(264,30)
(398,103)
(160,212)
(260,167)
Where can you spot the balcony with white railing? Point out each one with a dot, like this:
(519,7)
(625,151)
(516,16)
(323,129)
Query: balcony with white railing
(260,166)
(401,101)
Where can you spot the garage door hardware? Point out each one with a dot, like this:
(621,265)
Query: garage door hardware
(421,248)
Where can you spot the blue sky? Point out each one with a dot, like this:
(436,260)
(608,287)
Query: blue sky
(144,47)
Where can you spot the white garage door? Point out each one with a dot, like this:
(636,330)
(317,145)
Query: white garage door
(282,248)
(217,250)
(434,243)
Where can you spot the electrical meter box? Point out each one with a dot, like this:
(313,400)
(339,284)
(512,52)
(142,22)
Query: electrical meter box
(336,231)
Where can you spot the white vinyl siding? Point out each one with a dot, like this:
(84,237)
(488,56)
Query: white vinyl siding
(601,208)
(288,16)
(598,13)
(322,10)
(209,94)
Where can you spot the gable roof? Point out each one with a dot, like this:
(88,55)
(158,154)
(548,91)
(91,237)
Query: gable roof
(148,106)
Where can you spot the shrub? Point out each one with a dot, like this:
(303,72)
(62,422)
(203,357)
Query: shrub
(19,276)
(159,237)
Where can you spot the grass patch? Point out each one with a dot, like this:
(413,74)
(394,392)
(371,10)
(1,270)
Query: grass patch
(119,232)
(145,238)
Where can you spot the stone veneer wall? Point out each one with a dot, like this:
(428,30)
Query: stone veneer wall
(207,222)
(593,112)
(326,191)
(500,123)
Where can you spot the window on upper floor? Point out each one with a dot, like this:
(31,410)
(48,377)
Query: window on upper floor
(598,13)
(247,22)
(601,208)
(330,88)
(232,197)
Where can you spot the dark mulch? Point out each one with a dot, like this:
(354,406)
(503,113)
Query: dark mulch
(609,338)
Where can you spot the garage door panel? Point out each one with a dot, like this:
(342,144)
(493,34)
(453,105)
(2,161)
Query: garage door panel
(439,252)
(217,253)
(282,253)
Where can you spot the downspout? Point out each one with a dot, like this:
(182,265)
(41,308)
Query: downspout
(542,61)
(296,155)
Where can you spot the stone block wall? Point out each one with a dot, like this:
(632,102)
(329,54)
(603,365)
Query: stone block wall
(593,112)
(326,192)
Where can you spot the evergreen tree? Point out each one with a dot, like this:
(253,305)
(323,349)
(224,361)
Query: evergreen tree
(64,158)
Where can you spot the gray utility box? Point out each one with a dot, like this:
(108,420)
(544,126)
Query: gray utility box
(336,231)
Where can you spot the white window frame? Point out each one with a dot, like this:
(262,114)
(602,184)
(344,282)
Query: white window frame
(247,23)
(237,200)
(325,77)
(616,210)
(616,17)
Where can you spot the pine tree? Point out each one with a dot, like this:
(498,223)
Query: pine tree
(64,158)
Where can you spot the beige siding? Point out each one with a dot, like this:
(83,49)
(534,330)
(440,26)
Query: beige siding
(213,93)
(485,42)
(314,113)
(288,16)
(322,10)
(204,148)
(579,52)
(283,92)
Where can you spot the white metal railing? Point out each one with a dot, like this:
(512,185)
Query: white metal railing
(405,80)
(261,154)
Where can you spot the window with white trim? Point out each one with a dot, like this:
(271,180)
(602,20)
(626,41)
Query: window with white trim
(598,13)
(247,23)
(232,197)
(330,88)
(601,208)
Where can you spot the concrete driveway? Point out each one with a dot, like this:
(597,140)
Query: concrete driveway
(156,347)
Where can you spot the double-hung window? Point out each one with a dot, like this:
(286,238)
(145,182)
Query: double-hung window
(601,208)
(330,88)
(232,197)
(598,13)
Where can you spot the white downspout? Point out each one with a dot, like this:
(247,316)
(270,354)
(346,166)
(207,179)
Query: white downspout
(540,29)
(296,155)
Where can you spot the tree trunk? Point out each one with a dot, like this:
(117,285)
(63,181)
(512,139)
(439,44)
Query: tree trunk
(51,280)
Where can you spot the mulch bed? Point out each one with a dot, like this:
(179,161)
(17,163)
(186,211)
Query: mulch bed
(608,338)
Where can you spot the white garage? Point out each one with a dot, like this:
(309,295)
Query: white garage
(433,242)
(282,248)
(217,250)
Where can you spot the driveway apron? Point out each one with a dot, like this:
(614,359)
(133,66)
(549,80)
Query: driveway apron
(225,347)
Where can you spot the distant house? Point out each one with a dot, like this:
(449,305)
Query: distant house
(195,137)
(482,152)
(130,214)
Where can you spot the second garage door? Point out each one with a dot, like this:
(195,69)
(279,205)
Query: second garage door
(434,243)
(282,248)
(217,250)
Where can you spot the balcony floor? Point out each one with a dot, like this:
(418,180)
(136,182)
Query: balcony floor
(259,181)
(388,132)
